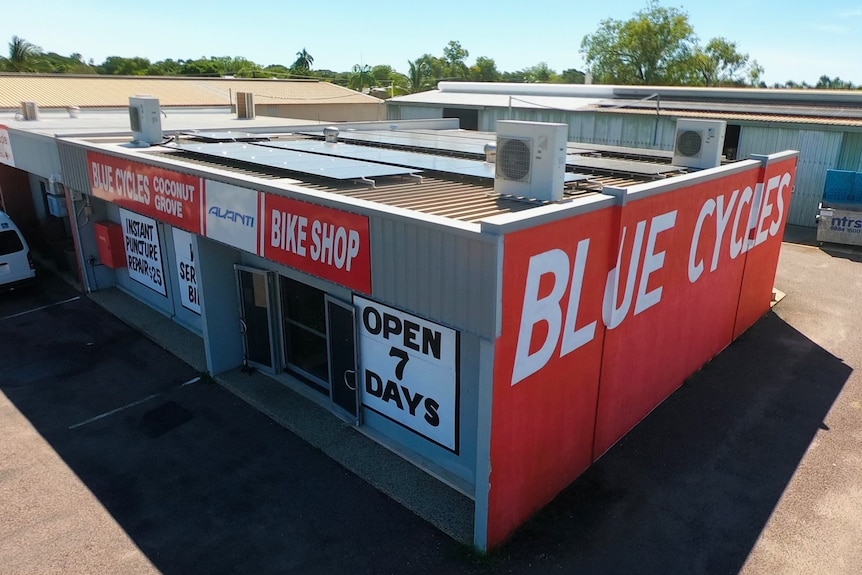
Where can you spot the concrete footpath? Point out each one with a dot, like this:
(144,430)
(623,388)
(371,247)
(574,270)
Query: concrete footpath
(436,503)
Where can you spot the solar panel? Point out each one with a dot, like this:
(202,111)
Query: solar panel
(226,136)
(574,149)
(300,162)
(459,135)
(624,151)
(416,141)
(623,166)
(445,164)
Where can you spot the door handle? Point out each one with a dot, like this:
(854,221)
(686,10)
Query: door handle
(347,383)
(243,328)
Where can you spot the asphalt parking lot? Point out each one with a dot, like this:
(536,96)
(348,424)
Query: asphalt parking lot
(115,458)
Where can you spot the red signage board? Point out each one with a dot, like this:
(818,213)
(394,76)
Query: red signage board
(548,362)
(778,181)
(605,314)
(325,242)
(677,294)
(164,195)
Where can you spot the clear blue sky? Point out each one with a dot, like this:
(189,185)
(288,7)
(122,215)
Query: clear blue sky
(792,40)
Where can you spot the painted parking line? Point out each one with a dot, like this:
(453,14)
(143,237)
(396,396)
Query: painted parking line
(35,309)
(128,405)
(113,411)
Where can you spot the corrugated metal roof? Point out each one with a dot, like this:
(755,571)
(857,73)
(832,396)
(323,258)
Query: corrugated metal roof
(60,91)
(739,116)
(823,107)
(441,98)
(461,199)
(782,109)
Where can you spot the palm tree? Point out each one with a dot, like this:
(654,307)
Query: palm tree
(417,77)
(361,77)
(303,61)
(23,56)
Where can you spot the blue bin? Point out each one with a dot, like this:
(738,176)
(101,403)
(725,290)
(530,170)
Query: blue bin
(843,187)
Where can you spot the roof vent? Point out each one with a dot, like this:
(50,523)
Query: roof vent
(330,134)
(491,152)
(245,105)
(531,160)
(30,110)
(145,117)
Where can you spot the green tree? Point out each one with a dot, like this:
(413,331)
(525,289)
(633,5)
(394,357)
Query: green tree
(719,63)
(167,67)
(417,75)
(455,57)
(539,73)
(23,56)
(654,47)
(361,77)
(517,76)
(484,70)
(117,65)
(203,67)
(435,68)
(303,61)
(382,74)
(54,63)
(827,83)
(278,71)
(572,76)
(658,46)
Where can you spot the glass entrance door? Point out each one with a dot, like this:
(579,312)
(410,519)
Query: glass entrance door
(342,357)
(256,321)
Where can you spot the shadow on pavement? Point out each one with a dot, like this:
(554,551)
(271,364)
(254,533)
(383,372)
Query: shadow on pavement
(692,487)
(852,253)
(198,480)
(808,237)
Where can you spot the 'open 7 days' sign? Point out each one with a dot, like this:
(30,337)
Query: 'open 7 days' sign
(410,371)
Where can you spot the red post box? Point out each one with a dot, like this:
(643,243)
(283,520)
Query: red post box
(109,236)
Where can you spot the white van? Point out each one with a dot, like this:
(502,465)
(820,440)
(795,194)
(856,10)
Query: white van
(16,264)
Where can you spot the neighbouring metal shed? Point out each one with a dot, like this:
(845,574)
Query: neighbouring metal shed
(824,125)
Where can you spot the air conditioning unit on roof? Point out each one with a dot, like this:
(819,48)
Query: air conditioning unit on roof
(531,159)
(698,143)
(145,117)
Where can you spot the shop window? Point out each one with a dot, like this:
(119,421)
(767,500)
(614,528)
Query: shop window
(304,323)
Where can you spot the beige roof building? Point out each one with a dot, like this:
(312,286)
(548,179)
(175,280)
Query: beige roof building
(302,99)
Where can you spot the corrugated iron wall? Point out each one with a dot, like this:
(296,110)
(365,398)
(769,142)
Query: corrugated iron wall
(622,130)
(818,151)
(73,162)
(441,273)
(594,127)
(413,112)
(851,152)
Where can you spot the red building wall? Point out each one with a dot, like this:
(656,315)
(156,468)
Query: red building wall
(605,314)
